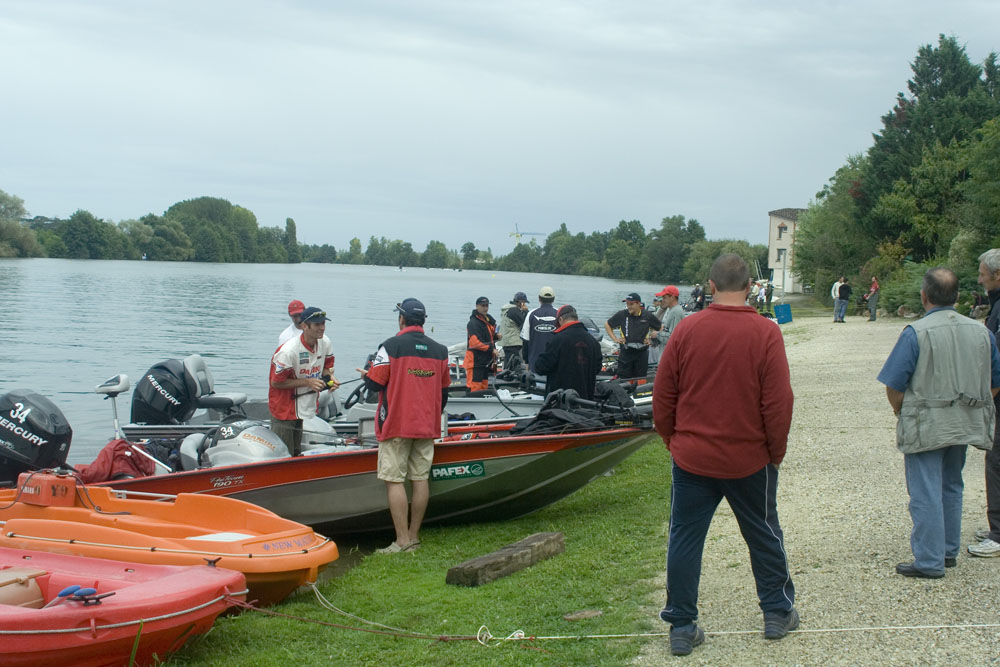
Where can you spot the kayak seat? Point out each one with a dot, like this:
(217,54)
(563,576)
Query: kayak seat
(197,371)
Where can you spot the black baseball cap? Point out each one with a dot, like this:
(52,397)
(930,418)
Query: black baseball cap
(520,296)
(313,314)
(410,307)
(482,300)
(632,296)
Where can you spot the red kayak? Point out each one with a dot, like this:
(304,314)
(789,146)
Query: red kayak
(57,609)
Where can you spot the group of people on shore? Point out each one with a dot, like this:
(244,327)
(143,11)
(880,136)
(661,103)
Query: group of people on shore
(841,292)
(736,457)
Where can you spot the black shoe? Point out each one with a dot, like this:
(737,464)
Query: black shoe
(684,638)
(950,562)
(778,624)
(908,570)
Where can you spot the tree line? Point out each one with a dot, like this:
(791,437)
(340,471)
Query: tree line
(208,229)
(925,193)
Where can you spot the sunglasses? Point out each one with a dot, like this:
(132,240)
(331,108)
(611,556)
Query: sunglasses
(316,315)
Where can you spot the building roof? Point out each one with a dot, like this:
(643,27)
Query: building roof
(787,213)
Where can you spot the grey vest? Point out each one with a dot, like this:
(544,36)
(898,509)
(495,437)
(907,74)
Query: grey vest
(948,401)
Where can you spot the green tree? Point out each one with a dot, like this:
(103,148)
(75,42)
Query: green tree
(354,255)
(469,254)
(436,255)
(292,242)
(16,238)
(668,247)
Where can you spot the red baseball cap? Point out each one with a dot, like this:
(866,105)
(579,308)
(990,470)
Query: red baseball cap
(296,307)
(669,289)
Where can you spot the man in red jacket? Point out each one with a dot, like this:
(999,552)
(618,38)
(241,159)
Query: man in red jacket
(410,374)
(734,455)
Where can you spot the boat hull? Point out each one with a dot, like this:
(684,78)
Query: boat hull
(488,479)
(162,605)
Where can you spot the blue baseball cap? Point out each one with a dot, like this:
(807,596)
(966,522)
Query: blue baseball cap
(313,314)
(410,307)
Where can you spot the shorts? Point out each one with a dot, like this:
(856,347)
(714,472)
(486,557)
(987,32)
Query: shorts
(290,432)
(400,459)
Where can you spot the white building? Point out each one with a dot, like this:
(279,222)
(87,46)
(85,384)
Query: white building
(780,260)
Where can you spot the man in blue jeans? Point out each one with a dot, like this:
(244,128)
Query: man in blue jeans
(735,456)
(940,380)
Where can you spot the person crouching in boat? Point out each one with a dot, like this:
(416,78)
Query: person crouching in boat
(410,374)
(301,367)
(481,353)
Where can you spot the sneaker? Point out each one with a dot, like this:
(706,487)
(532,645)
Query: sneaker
(985,549)
(684,638)
(778,624)
(982,534)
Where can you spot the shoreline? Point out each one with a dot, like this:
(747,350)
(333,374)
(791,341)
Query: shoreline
(842,504)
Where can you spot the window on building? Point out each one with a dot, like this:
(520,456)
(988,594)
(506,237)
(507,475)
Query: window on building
(781,253)
(781,230)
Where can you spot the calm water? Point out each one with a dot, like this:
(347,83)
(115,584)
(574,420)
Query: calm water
(68,325)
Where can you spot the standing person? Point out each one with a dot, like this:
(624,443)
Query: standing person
(733,456)
(989,539)
(635,323)
(768,295)
(538,327)
(301,368)
(835,293)
(511,322)
(940,379)
(481,353)
(669,315)
(845,292)
(697,297)
(872,298)
(295,309)
(760,298)
(572,358)
(410,374)
(655,344)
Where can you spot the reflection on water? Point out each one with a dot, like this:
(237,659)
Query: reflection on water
(70,324)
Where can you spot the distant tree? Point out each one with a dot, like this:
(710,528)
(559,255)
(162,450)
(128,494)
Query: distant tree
(469,254)
(292,242)
(524,257)
(16,238)
(435,256)
(667,248)
(354,255)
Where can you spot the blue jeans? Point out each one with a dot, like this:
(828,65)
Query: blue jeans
(934,482)
(693,500)
(839,309)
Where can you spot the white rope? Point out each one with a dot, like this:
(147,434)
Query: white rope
(124,623)
(326,604)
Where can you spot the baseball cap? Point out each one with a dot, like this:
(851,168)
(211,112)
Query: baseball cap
(632,296)
(520,296)
(669,289)
(565,310)
(295,307)
(410,307)
(482,300)
(314,314)
(547,292)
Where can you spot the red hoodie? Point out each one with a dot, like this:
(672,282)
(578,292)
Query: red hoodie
(722,396)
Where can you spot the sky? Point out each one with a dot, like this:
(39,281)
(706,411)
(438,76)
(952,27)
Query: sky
(455,120)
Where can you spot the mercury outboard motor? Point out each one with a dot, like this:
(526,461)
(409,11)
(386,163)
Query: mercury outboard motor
(166,394)
(33,434)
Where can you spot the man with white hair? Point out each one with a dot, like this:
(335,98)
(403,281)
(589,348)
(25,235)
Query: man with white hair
(989,539)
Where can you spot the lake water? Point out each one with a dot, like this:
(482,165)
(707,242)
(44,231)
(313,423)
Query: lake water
(68,325)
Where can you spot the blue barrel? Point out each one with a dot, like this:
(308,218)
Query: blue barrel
(783,313)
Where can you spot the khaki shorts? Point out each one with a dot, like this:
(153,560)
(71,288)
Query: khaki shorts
(400,459)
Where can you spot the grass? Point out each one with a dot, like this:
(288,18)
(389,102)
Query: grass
(615,539)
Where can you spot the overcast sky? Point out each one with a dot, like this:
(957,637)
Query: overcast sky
(454,121)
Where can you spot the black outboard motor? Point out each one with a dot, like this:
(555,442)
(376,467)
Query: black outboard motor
(33,434)
(166,394)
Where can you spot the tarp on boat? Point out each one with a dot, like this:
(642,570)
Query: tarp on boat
(116,461)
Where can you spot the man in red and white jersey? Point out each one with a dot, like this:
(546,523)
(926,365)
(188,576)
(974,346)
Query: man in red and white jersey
(410,374)
(300,368)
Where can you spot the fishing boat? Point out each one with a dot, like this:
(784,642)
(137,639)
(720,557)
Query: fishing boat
(58,609)
(52,512)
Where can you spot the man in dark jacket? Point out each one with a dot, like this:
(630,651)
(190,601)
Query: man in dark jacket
(989,538)
(538,327)
(481,353)
(572,358)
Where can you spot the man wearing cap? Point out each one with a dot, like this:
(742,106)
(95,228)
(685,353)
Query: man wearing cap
(301,368)
(511,322)
(481,352)
(295,309)
(410,374)
(669,313)
(538,327)
(634,323)
(572,358)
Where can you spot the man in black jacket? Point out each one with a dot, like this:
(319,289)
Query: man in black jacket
(989,538)
(572,358)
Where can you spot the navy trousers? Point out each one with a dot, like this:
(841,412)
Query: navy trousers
(693,500)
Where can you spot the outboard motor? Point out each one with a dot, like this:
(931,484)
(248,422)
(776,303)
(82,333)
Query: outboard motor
(245,441)
(33,434)
(166,394)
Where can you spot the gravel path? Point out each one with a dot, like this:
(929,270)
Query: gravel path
(842,504)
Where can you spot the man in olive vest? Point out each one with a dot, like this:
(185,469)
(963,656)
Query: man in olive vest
(940,379)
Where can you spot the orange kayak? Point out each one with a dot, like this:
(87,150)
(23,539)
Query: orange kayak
(55,513)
